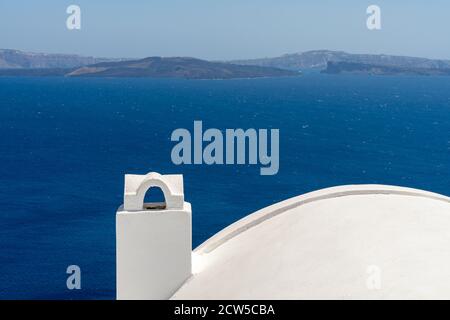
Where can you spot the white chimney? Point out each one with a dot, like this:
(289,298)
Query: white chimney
(154,240)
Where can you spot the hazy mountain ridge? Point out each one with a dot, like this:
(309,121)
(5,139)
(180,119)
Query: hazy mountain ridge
(362,68)
(16,59)
(318,59)
(19,63)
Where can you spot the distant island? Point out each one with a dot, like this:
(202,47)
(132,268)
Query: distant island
(319,60)
(16,59)
(178,67)
(373,69)
(19,63)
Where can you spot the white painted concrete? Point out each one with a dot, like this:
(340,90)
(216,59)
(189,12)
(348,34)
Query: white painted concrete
(136,187)
(349,242)
(153,241)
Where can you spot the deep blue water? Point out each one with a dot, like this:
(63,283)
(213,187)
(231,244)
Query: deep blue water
(65,145)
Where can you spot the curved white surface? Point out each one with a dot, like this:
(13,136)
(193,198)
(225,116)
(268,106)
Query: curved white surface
(349,242)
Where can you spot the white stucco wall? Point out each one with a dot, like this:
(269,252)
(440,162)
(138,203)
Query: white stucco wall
(349,242)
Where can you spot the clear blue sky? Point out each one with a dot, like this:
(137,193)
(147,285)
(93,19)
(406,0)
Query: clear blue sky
(226,29)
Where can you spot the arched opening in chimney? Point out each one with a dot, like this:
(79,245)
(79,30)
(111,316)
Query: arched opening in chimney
(154,199)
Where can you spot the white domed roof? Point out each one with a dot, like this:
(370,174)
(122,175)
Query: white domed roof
(350,242)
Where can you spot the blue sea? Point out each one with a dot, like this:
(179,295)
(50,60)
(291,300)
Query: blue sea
(65,145)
